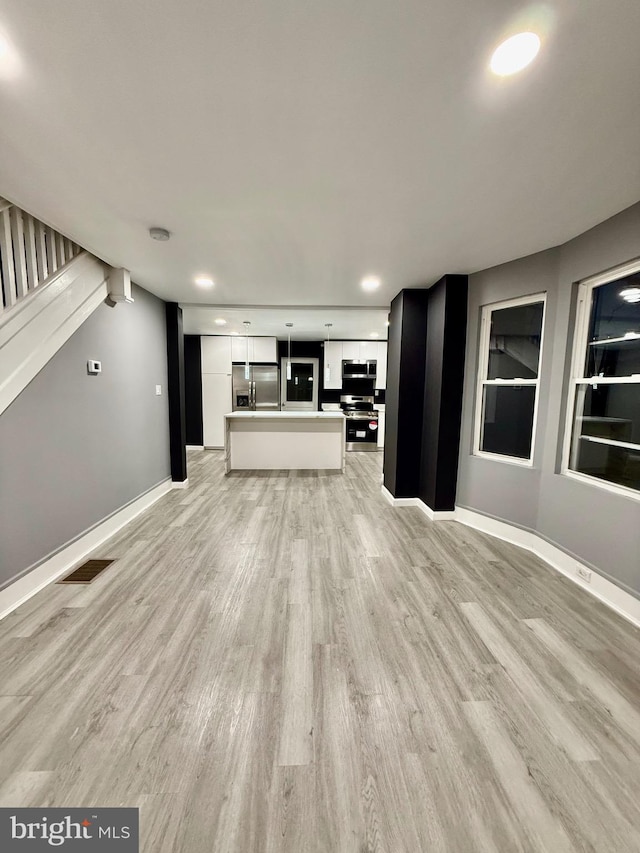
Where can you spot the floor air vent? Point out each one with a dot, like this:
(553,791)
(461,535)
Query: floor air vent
(87,572)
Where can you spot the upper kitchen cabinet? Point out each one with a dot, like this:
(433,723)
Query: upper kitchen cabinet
(359,350)
(381,366)
(216,354)
(337,351)
(368,350)
(261,350)
(241,349)
(333,365)
(265,350)
(351,350)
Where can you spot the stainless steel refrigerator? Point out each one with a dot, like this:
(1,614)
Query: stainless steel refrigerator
(260,392)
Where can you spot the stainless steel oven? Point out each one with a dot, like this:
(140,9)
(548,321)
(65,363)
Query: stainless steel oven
(362,422)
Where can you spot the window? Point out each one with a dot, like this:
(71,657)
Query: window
(508,375)
(299,384)
(603,435)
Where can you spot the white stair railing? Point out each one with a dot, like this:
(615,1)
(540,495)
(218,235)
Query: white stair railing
(30,253)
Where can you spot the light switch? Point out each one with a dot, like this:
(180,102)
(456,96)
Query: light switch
(158,390)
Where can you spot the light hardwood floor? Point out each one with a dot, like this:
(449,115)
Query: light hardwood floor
(283,662)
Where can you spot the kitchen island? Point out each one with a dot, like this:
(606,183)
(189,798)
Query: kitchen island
(284,440)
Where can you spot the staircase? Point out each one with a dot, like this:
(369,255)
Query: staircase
(49,286)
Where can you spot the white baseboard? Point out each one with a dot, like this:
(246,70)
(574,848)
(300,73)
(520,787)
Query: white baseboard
(625,604)
(431,514)
(60,563)
(389,498)
(195,446)
(180,484)
(435,515)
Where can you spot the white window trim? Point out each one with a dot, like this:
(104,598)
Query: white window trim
(287,406)
(580,343)
(481,381)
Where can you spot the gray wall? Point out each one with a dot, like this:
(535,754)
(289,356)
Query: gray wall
(76,448)
(598,527)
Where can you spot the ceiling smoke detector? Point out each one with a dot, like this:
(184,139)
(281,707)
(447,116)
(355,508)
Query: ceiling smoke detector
(160,234)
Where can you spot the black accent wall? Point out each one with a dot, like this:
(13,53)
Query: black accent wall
(315,349)
(425,369)
(193,389)
(302,349)
(444,377)
(308,349)
(177,416)
(406,360)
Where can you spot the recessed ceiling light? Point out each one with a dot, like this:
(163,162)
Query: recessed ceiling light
(219,321)
(374,334)
(514,54)
(370,282)
(203,281)
(9,62)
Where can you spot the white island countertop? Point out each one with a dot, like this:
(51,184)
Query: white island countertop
(292,415)
(285,440)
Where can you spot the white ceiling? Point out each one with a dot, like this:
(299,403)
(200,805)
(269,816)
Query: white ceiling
(293,147)
(309,324)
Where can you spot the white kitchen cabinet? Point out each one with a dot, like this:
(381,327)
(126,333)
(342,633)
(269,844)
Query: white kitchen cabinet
(368,350)
(265,350)
(351,350)
(381,367)
(360,350)
(333,365)
(216,353)
(260,350)
(336,351)
(216,403)
(239,348)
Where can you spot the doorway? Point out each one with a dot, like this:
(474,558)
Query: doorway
(299,393)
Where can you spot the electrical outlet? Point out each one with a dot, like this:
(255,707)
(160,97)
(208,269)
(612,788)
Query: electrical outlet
(585,574)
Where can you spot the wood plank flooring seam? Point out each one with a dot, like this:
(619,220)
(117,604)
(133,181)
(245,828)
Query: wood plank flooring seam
(285,663)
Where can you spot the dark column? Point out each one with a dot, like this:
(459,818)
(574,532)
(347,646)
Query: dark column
(177,417)
(446,341)
(405,393)
(193,389)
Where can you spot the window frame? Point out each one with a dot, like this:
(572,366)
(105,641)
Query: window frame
(482,381)
(577,375)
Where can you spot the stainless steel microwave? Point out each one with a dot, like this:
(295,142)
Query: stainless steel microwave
(359,369)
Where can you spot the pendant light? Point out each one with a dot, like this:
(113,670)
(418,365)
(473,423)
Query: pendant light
(289,327)
(246,324)
(327,365)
